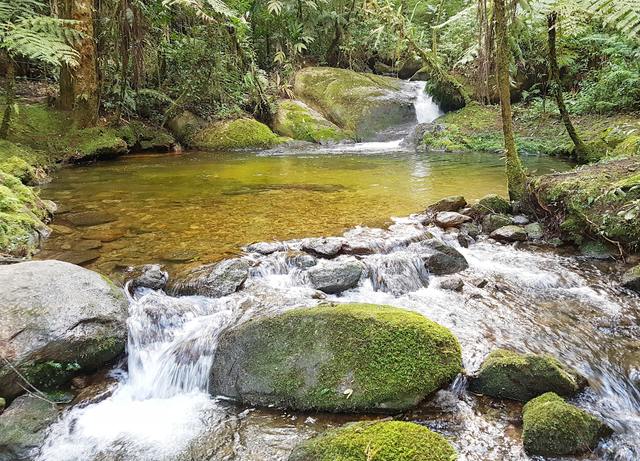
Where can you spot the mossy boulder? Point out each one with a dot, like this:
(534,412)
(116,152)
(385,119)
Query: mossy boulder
(509,375)
(553,427)
(22,217)
(19,161)
(361,104)
(23,426)
(631,278)
(294,119)
(349,357)
(493,203)
(57,320)
(376,440)
(242,133)
(593,202)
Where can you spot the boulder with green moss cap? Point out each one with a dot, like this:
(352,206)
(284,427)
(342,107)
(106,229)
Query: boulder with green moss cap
(241,133)
(296,120)
(376,440)
(491,203)
(348,357)
(509,375)
(553,427)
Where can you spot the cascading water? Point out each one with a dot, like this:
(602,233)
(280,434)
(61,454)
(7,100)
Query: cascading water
(527,299)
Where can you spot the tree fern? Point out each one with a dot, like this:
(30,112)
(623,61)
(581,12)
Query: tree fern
(207,10)
(623,15)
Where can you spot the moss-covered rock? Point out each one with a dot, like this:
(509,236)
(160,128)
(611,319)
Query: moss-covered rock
(631,278)
(22,217)
(509,375)
(553,427)
(597,202)
(20,161)
(361,104)
(240,133)
(380,441)
(351,357)
(294,119)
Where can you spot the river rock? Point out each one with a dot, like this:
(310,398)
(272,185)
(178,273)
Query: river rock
(323,247)
(509,234)
(90,218)
(300,259)
(151,276)
(534,231)
(447,219)
(266,248)
(494,221)
(553,427)
(508,375)
(213,280)
(296,120)
(22,427)
(453,283)
(494,203)
(57,320)
(103,235)
(335,276)
(631,279)
(439,258)
(470,229)
(451,203)
(520,220)
(360,104)
(389,440)
(346,357)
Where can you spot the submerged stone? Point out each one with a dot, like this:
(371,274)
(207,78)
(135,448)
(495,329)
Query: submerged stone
(90,218)
(553,427)
(388,440)
(335,276)
(213,280)
(22,427)
(58,320)
(509,375)
(349,357)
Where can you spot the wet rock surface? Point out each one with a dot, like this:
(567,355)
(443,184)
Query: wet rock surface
(213,280)
(323,247)
(335,276)
(451,203)
(451,219)
(58,319)
(151,276)
(439,258)
(509,234)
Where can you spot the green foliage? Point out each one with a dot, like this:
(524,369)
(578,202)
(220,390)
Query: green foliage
(26,30)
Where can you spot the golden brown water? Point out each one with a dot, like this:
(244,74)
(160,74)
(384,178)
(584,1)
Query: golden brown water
(201,207)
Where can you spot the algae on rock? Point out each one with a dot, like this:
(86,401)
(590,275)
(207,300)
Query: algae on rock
(376,440)
(296,120)
(351,357)
(242,133)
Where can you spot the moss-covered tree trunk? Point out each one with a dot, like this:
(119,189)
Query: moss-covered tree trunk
(516,177)
(10,94)
(580,149)
(79,85)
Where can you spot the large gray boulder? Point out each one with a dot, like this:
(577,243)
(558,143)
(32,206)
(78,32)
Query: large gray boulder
(57,320)
(335,276)
(439,258)
(213,280)
(22,427)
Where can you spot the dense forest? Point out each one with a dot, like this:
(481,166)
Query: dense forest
(319,230)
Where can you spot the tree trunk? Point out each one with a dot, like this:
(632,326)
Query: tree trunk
(10,90)
(580,149)
(79,85)
(516,177)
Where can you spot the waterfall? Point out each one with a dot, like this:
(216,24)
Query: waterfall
(426,109)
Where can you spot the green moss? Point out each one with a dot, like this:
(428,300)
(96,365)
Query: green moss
(628,148)
(379,441)
(597,202)
(241,133)
(358,103)
(552,427)
(509,375)
(348,357)
(297,121)
(50,374)
(491,204)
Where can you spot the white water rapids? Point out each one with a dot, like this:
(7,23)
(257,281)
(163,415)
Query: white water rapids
(526,299)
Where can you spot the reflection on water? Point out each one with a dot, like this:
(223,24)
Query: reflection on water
(199,207)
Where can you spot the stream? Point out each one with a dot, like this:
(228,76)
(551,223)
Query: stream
(528,298)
